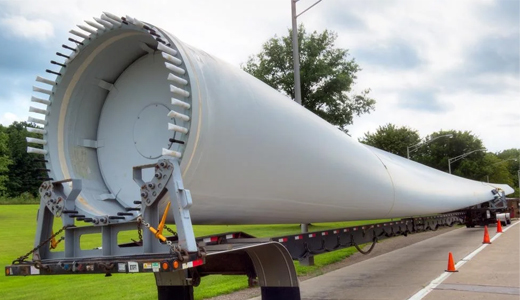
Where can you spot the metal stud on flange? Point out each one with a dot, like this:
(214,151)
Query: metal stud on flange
(171,153)
(62,55)
(35,120)
(38,110)
(178,91)
(36,141)
(39,100)
(174,68)
(177,128)
(40,90)
(136,22)
(87,29)
(36,150)
(58,64)
(112,16)
(179,116)
(45,80)
(106,24)
(166,49)
(36,130)
(180,103)
(110,20)
(171,58)
(177,79)
(52,72)
(69,48)
(77,33)
(95,25)
(75,41)
(130,19)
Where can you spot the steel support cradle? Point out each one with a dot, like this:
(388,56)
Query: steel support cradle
(178,262)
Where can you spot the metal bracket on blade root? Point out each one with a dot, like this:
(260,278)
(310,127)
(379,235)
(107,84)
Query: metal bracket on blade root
(166,185)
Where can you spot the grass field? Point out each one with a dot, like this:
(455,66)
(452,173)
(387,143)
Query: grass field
(25,198)
(17,229)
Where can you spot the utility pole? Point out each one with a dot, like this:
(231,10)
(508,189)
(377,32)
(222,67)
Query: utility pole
(308,261)
(462,156)
(296,55)
(419,145)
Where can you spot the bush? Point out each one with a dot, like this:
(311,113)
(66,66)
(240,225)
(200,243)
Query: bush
(24,198)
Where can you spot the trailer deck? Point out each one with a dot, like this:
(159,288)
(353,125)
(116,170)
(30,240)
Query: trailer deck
(299,246)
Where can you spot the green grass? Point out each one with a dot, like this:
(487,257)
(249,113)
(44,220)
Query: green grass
(25,198)
(17,230)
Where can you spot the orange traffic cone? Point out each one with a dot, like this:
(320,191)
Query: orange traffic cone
(486,236)
(451,264)
(499,226)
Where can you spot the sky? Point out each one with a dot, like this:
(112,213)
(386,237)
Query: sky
(431,65)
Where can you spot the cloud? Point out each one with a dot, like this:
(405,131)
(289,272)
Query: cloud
(344,19)
(495,54)
(506,12)
(8,118)
(491,66)
(479,83)
(395,54)
(14,107)
(30,29)
(22,57)
(422,99)
(29,40)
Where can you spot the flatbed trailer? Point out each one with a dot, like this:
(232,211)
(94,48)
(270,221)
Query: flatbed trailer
(266,262)
(299,246)
(489,212)
(181,260)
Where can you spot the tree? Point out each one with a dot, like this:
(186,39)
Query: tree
(327,75)
(496,170)
(25,170)
(4,159)
(436,155)
(392,139)
(512,166)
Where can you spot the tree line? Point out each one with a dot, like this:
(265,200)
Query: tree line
(438,147)
(20,172)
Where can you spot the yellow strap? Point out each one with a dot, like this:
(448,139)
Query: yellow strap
(157,234)
(163,219)
(54,243)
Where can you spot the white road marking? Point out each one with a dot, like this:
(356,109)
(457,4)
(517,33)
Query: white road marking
(434,283)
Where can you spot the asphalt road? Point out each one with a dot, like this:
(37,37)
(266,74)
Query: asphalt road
(402,273)
(492,273)
(381,248)
(403,267)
